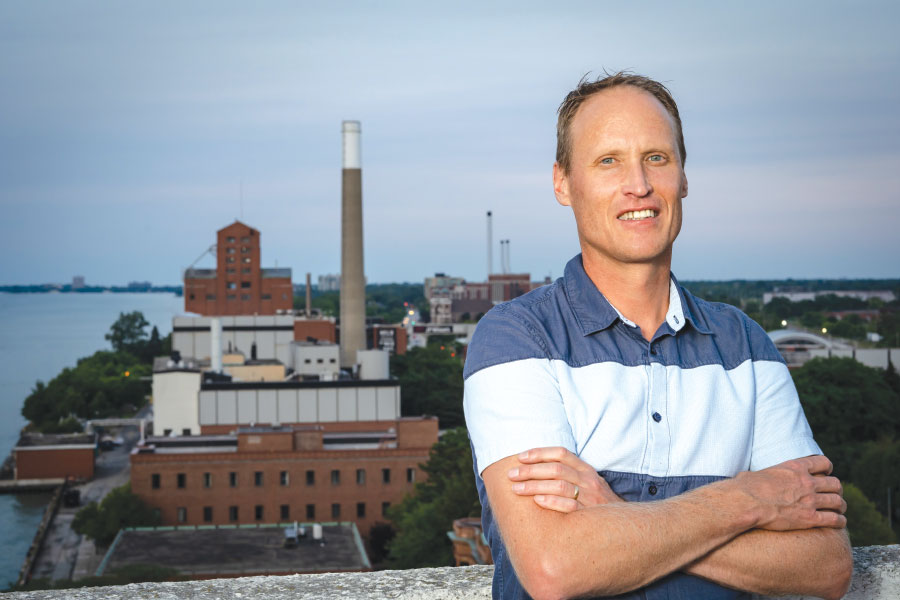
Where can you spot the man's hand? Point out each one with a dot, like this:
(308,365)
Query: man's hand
(797,494)
(551,475)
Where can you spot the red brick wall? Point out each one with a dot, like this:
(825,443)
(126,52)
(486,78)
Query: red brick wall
(321,330)
(52,464)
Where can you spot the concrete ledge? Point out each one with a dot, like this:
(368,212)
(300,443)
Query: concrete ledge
(876,577)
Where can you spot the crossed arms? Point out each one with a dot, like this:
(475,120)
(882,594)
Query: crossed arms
(778,530)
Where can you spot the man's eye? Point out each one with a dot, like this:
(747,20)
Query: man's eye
(606,161)
(656,158)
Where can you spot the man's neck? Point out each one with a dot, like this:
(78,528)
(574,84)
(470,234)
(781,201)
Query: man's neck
(639,291)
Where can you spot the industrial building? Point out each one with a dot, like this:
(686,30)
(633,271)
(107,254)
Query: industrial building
(55,456)
(238,285)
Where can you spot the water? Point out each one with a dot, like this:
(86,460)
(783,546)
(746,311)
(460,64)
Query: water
(39,335)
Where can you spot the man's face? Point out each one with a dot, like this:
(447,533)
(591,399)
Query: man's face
(625,180)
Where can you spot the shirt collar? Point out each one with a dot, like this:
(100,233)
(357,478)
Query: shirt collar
(595,313)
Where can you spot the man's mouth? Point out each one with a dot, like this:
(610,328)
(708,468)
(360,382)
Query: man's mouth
(637,215)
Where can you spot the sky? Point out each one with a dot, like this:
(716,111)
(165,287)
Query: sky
(131,131)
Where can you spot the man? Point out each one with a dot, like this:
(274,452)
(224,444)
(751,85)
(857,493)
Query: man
(628,437)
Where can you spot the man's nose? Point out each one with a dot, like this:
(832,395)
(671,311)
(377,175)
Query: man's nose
(636,182)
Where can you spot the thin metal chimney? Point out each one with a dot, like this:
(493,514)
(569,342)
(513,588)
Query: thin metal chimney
(353,287)
(308,295)
(490,245)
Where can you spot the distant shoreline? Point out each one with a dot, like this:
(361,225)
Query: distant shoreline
(49,288)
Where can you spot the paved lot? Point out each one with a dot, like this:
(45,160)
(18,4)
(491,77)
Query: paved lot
(63,548)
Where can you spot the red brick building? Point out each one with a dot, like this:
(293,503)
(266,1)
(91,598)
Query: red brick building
(238,285)
(326,472)
(55,456)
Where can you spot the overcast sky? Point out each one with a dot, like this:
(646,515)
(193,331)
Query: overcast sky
(127,130)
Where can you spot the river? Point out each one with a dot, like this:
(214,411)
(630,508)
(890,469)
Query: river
(40,334)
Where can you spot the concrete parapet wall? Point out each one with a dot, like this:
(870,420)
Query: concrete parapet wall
(876,577)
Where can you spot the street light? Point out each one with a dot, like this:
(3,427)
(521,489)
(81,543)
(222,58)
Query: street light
(824,330)
(783,323)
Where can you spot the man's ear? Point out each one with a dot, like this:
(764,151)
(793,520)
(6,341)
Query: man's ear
(561,185)
(684,185)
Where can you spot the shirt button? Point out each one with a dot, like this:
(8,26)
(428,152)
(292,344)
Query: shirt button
(657,417)
(652,489)
(653,350)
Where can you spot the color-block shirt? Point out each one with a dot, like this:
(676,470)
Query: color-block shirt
(709,396)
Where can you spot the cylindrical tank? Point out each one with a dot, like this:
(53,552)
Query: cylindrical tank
(374,364)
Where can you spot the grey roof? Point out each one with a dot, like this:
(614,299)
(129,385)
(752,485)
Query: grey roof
(230,550)
(200,274)
(55,439)
(279,272)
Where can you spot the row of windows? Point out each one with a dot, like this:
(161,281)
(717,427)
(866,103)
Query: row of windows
(232,285)
(232,270)
(231,250)
(318,360)
(244,240)
(283,478)
(181,513)
(230,259)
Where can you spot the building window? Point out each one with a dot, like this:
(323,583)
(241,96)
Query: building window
(167,432)
(191,296)
(284,296)
(360,510)
(361,476)
(310,512)
(232,513)
(245,297)
(181,514)
(245,239)
(230,250)
(258,512)
(154,481)
(210,296)
(266,296)
(246,270)
(157,514)
(181,480)
(284,478)
(245,250)
(384,508)
(258,478)
(232,479)
(320,360)
(231,297)
(186,431)
(229,259)
(331,360)
(285,512)
(307,361)
(335,511)
(246,260)
(230,270)
(231,285)
(230,239)
(245,284)
(335,477)
(385,476)
(410,475)
(207,480)
(207,514)
(310,478)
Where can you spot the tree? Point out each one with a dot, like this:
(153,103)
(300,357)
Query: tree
(423,519)
(847,404)
(120,508)
(866,526)
(876,472)
(128,333)
(431,383)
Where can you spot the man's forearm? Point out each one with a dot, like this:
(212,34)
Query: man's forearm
(814,561)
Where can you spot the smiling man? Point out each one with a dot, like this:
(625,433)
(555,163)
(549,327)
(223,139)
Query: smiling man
(630,438)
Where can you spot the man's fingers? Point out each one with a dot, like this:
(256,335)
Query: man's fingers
(551,454)
(545,470)
(553,487)
(827,518)
(831,502)
(818,464)
(828,484)
(557,503)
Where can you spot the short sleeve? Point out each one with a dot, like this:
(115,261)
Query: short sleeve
(512,398)
(780,429)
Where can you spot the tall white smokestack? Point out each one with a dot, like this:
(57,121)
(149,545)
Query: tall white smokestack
(490,246)
(353,286)
(215,344)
